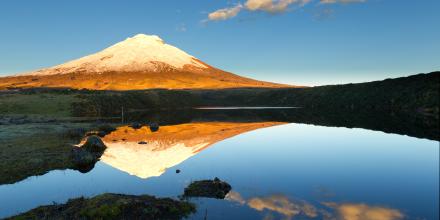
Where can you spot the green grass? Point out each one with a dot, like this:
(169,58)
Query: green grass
(44,104)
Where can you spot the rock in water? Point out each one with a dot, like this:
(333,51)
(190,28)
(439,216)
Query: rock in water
(154,127)
(136,125)
(84,158)
(94,144)
(208,188)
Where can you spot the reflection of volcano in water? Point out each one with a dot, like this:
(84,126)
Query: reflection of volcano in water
(169,146)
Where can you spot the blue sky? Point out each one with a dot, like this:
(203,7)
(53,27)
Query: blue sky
(306,42)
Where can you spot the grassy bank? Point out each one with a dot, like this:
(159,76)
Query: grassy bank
(35,148)
(113,206)
(43,104)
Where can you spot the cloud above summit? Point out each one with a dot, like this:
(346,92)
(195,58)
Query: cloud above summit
(272,6)
(268,6)
(225,13)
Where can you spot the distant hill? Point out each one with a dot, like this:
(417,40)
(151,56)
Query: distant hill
(419,92)
(139,62)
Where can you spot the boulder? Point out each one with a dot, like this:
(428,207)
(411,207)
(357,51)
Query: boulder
(208,188)
(136,125)
(154,127)
(83,160)
(94,144)
(82,157)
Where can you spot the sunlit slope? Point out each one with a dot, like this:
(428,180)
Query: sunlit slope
(174,79)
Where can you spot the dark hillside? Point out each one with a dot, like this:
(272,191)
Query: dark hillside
(413,93)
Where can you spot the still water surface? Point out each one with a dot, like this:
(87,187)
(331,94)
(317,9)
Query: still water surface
(277,170)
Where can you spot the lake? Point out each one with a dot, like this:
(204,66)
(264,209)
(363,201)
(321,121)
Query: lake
(281,164)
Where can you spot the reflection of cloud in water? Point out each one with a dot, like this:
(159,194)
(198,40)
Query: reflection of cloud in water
(168,147)
(351,211)
(289,208)
(276,203)
(236,197)
(282,205)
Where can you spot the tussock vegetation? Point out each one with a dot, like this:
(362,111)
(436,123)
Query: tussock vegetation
(113,206)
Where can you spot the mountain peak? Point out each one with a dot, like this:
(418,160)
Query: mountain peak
(139,53)
(146,38)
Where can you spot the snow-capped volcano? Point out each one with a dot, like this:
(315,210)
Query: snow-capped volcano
(139,53)
(139,62)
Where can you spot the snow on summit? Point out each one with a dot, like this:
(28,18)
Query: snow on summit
(139,53)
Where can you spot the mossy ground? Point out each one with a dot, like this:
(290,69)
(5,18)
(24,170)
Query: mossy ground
(113,206)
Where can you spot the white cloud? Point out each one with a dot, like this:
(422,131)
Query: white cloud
(272,6)
(225,13)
